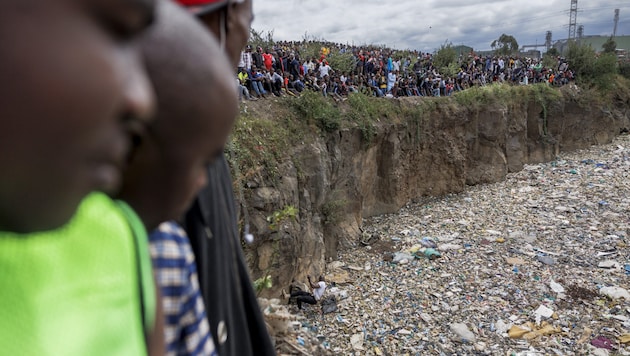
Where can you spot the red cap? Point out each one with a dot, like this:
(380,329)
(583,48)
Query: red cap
(200,7)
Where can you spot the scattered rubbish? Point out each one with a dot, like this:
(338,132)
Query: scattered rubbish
(329,304)
(427,242)
(609,264)
(514,261)
(586,334)
(606,253)
(402,256)
(501,327)
(602,343)
(556,287)
(432,254)
(455,247)
(546,260)
(530,331)
(530,266)
(462,334)
(357,342)
(615,293)
(542,312)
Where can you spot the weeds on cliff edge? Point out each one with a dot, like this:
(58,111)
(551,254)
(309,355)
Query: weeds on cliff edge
(545,95)
(364,112)
(474,99)
(258,144)
(418,115)
(317,109)
(622,89)
(332,210)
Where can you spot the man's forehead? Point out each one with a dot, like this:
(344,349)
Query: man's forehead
(136,12)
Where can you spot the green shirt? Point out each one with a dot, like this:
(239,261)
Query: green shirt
(76,290)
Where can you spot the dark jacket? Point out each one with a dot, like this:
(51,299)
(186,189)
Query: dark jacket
(236,322)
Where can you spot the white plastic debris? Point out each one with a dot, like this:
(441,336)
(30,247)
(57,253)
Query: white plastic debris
(542,312)
(609,264)
(462,334)
(357,342)
(615,292)
(556,287)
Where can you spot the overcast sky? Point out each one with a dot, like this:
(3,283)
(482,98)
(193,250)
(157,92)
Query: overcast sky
(427,24)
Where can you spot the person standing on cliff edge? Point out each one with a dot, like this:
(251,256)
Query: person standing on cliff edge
(236,322)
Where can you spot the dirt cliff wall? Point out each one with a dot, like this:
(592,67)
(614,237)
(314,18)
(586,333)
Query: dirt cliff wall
(337,178)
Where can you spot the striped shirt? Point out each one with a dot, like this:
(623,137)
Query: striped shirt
(246,60)
(186,330)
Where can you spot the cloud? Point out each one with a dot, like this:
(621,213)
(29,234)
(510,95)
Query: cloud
(426,25)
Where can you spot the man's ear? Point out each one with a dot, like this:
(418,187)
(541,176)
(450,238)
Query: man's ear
(231,13)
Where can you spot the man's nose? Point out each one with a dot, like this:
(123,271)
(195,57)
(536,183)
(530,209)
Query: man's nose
(139,96)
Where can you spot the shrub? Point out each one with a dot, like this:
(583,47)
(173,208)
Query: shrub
(341,62)
(318,110)
(590,69)
(604,70)
(444,57)
(581,59)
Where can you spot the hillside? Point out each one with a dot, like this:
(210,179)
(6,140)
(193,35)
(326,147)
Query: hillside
(308,170)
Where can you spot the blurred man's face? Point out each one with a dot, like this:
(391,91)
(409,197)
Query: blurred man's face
(238,22)
(170,166)
(238,34)
(72,93)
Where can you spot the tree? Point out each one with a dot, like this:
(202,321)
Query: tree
(444,57)
(341,62)
(610,45)
(581,59)
(553,52)
(505,45)
(549,60)
(261,39)
(591,69)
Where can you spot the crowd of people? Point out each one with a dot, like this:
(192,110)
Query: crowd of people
(381,72)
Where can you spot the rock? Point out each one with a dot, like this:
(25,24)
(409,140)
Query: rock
(334,265)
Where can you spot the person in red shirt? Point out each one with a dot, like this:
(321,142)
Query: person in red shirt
(267,59)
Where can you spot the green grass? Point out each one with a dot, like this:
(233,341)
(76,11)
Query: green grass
(259,144)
